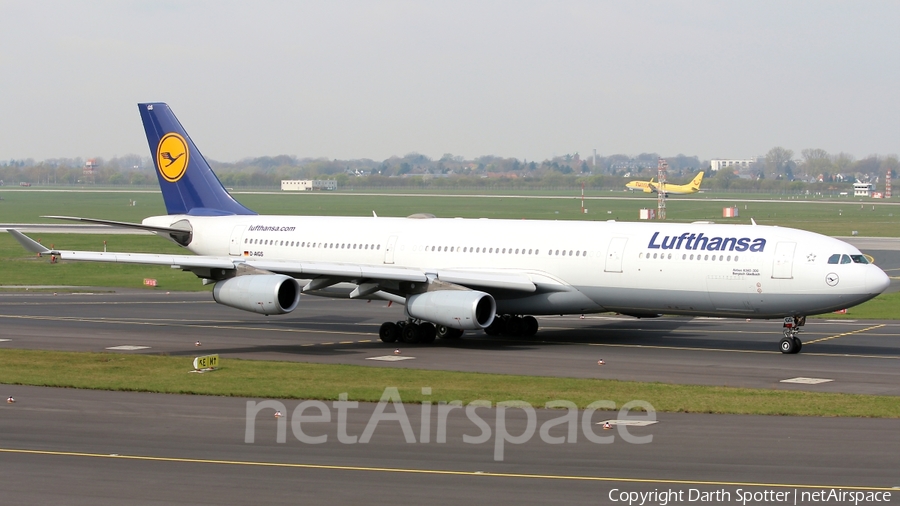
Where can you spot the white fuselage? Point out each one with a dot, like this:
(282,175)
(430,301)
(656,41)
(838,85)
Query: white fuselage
(633,268)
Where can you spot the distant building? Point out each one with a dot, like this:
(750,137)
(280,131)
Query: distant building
(308,184)
(715,165)
(862,189)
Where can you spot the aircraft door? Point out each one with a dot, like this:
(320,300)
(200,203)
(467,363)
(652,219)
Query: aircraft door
(782,266)
(234,246)
(389,250)
(614,254)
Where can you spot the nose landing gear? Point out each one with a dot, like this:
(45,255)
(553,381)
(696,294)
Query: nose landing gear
(790,343)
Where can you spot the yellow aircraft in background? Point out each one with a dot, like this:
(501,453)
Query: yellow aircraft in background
(670,189)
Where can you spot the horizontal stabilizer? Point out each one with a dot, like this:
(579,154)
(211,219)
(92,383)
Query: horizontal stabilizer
(123,224)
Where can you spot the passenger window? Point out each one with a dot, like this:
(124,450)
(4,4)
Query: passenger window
(833,259)
(845,259)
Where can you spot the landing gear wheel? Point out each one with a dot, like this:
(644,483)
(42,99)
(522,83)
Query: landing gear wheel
(388,332)
(798,344)
(530,325)
(427,332)
(514,326)
(788,345)
(410,333)
(496,327)
(445,332)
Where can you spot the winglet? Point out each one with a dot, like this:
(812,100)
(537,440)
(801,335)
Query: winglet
(29,244)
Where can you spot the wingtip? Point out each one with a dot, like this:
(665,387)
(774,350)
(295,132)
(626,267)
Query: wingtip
(27,242)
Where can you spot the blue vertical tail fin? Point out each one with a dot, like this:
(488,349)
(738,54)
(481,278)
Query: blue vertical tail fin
(188,184)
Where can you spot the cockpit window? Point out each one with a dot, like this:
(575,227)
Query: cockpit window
(837,258)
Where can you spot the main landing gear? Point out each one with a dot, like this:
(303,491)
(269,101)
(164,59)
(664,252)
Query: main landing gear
(513,326)
(791,343)
(410,331)
(418,331)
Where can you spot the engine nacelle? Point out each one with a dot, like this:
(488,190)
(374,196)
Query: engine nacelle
(259,293)
(458,309)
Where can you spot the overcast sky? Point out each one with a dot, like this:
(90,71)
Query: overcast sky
(516,79)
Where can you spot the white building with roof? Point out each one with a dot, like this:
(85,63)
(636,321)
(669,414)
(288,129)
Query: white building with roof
(721,163)
(308,184)
(863,189)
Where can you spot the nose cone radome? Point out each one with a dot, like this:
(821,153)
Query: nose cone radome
(877,281)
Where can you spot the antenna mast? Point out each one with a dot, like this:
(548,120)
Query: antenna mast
(661,168)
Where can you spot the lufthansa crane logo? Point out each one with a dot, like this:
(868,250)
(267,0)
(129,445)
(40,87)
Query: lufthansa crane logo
(172,157)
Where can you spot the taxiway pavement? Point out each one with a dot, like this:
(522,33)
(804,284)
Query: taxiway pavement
(63,446)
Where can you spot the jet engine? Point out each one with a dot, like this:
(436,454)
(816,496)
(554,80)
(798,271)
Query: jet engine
(259,293)
(458,309)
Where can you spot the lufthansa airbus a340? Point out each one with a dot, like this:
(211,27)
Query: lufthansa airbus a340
(478,274)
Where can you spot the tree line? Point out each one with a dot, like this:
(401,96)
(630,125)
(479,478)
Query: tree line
(778,171)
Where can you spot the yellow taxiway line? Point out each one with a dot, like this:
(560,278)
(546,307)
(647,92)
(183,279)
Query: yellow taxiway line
(480,474)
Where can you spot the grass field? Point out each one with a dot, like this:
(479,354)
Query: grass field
(291,380)
(839,218)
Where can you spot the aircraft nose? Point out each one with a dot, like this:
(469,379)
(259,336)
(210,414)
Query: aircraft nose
(876,280)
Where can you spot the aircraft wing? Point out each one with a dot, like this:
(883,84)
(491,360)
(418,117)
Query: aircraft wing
(381,274)
(486,280)
(655,187)
(186,262)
